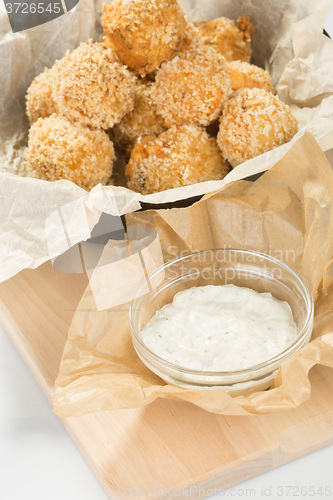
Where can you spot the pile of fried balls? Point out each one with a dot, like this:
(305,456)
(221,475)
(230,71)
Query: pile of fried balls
(180,100)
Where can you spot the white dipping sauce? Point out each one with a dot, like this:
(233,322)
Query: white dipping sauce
(220,328)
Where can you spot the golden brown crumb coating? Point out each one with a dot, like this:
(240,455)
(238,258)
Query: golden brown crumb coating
(231,40)
(105,40)
(192,38)
(93,87)
(254,121)
(39,100)
(248,76)
(179,157)
(60,149)
(142,120)
(144,33)
(192,87)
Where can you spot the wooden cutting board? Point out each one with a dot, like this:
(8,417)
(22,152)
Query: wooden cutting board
(166,445)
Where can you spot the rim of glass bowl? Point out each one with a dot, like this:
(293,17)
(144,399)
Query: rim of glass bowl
(306,294)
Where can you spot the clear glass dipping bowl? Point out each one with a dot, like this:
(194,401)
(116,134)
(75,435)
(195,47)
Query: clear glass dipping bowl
(246,268)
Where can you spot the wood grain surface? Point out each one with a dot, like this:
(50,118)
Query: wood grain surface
(167,444)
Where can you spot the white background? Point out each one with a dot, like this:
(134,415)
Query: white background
(39,461)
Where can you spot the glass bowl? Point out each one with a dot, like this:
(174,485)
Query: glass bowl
(246,268)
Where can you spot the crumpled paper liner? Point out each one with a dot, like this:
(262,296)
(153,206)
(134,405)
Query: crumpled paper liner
(287,213)
(41,220)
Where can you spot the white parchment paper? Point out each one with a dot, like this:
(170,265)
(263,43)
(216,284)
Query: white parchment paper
(40,220)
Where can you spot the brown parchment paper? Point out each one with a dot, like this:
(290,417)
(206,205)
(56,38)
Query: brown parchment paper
(40,220)
(286,213)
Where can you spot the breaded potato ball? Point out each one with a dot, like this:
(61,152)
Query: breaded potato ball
(91,86)
(191,88)
(179,157)
(144,33)
(248,76)
(254,121)
(142,120)
(231,40)
(39,100)
(60,149)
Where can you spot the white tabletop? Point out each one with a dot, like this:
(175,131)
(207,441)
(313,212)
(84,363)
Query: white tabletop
(39,461)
